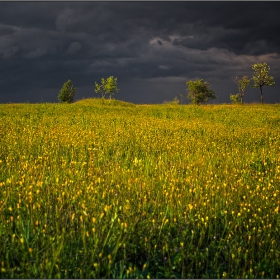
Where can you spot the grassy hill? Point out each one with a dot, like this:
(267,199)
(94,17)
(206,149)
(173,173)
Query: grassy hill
(104,102)
(118,190)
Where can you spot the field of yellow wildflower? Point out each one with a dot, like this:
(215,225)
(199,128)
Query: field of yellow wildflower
(116,190)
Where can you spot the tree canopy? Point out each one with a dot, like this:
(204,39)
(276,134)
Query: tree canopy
(199,91)
(67,92)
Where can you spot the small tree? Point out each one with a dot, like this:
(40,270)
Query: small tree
(235,98)
(107,86)
(199,91)
(260,77)
(67,92)
(242,84)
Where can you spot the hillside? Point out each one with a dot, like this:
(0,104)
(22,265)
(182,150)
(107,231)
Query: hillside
(91,190)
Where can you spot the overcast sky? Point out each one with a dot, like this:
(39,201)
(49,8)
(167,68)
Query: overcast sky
(153,48)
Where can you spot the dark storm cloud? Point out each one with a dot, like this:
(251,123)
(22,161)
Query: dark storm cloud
(29,14)
(151,46)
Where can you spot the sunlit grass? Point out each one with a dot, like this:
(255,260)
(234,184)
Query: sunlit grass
(95,191)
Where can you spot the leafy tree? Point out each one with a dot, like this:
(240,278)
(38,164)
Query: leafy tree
(199,91)
(242,84)
(67,92)
(107,86)
(260,77)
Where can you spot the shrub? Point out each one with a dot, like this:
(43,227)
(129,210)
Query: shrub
(235,98)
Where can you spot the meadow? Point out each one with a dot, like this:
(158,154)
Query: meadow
(117,190)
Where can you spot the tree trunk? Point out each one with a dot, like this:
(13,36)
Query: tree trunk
(261,94)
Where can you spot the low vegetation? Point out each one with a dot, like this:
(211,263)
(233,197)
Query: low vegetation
(104,102)
(160,191)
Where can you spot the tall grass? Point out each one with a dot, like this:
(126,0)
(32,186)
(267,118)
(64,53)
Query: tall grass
(159,191)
